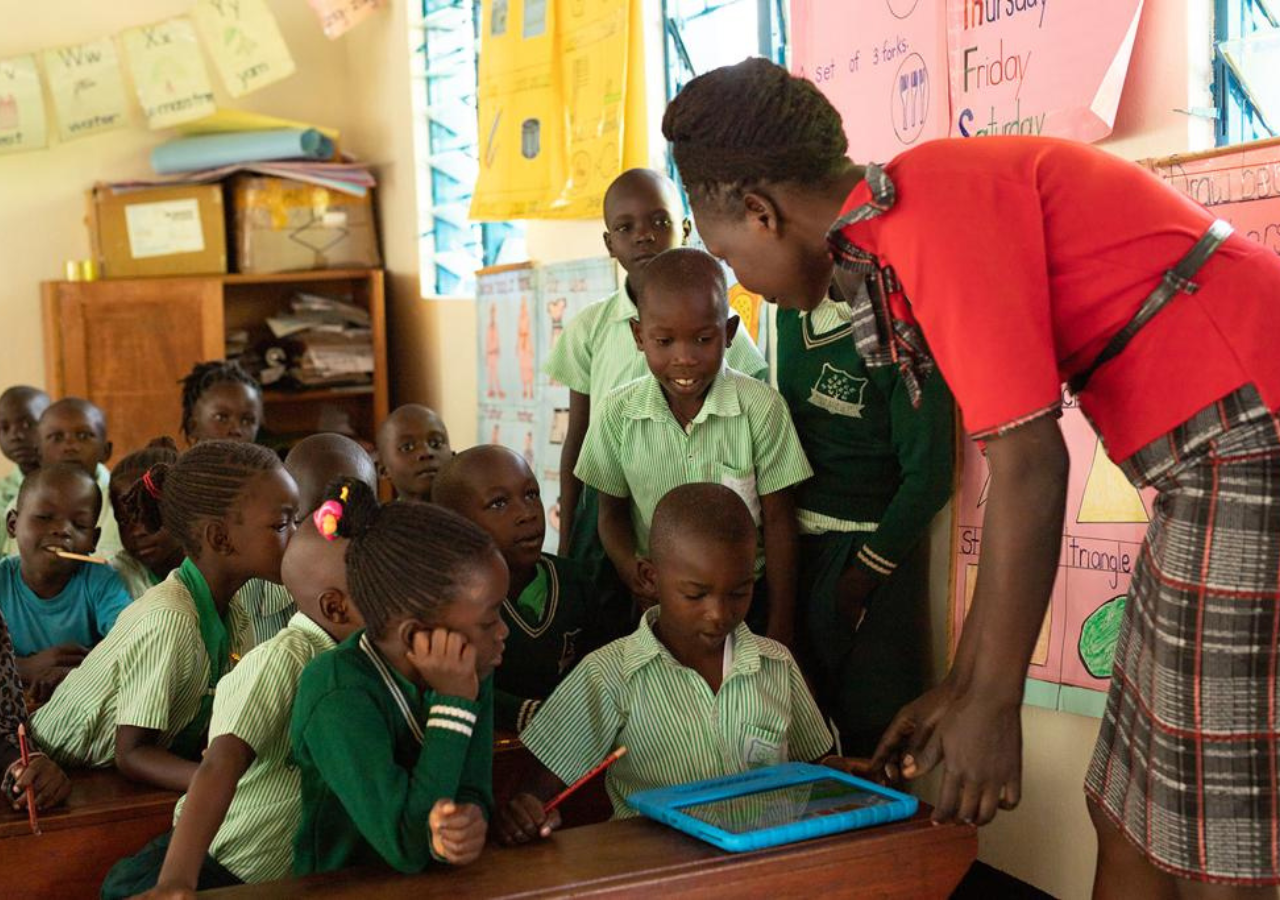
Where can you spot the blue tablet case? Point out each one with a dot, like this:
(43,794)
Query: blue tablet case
(807,801)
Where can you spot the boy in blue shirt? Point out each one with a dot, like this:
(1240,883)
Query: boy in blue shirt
(57,608)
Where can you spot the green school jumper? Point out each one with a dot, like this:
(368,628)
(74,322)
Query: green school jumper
(557,620)
(882,470)
(375,754)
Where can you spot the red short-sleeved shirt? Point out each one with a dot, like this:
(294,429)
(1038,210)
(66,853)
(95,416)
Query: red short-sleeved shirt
(1020,257)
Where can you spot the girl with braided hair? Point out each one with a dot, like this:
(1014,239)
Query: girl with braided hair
(143,697)
(220,402)
(1012,265)
(146,557)
(392,730)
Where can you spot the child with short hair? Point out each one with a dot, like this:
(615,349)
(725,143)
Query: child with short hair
(553,610)
(220,402)
(148,556)
(142,698)
(692,419)
(412,446)
(314,463)
(49,784)
(20,409)
(237,822)
(693,693)
(597,353)
(57,609)
(74,430)
(393,730)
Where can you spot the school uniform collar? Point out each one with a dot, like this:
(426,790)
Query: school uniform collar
(547,579)
(621,307)
(275,598)
(828,322)
(743,649)
(317,636)
(648,401)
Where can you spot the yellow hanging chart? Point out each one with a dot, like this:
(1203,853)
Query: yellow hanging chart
(556,93)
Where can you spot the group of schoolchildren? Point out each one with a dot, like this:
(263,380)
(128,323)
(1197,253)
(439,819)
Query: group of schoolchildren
(322,674)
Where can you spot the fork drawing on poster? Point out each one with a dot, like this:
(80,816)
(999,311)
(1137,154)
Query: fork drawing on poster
(1105,522)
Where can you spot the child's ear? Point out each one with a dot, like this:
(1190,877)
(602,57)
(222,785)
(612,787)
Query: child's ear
(97,536)
(217,538)
(648,574)
(382,470)
(106,450)
(635,333)
(334,607)
(731,329)
(686,229)
(11,523)
(608,245)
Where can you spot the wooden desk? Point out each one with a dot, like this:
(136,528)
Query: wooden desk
(638,857)
(105,818)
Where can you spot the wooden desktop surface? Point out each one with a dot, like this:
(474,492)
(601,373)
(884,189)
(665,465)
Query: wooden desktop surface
(105,818)
(637,857)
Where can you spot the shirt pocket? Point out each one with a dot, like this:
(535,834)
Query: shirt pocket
(743,483)
(763,746)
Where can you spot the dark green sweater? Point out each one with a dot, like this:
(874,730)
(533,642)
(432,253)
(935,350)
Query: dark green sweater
(877,460)
(576,618)
(368,785)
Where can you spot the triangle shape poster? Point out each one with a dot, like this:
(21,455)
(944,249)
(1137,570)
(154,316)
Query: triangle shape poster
(1106,519)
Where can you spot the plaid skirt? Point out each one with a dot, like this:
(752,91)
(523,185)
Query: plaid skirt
(1186,763)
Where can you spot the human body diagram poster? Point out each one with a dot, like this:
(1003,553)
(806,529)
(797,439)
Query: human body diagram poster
(902,72)
(522,311)
(1106,518)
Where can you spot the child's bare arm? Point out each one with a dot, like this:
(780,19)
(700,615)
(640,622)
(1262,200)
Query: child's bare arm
(619,539)
(570,486)
(138,758)
(779,513)
(521,818)
(212,789)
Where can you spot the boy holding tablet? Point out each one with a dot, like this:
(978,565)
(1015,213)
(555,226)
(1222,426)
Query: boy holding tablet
(692,693)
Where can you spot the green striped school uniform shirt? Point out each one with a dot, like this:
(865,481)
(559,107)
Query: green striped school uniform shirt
(150,671)
(254,703)
(137,578)
(270,607)
(742,438)
(633,693)
(597,353)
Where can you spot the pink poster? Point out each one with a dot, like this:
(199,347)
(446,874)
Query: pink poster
(1241,185)
(1038,67)
(882,63)
(1105,521)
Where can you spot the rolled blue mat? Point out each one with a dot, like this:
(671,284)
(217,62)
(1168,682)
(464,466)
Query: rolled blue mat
(213,150)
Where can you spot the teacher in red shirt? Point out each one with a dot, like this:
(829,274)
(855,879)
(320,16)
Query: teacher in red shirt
(1012,265)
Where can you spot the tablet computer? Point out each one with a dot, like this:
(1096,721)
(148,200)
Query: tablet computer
(773,805)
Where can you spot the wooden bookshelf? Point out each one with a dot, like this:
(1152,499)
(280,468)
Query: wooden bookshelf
(125,344)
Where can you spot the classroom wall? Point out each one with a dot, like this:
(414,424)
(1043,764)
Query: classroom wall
(42,192)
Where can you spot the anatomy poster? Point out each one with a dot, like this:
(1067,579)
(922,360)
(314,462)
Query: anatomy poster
(1106,518)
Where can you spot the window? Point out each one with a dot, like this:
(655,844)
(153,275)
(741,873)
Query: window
(1246,69)
(450,247)
(704,34)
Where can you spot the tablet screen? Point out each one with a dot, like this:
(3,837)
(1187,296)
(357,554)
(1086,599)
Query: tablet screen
(781,806)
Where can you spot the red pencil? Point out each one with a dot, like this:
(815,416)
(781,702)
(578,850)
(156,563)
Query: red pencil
(31,793)
(604,764)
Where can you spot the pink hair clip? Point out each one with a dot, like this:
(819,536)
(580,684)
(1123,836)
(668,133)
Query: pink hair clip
(149,485)
(329,514)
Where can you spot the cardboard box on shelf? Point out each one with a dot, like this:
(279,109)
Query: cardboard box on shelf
(179,230)
(290,226)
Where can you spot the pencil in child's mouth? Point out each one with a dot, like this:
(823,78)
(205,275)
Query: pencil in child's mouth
(67,554)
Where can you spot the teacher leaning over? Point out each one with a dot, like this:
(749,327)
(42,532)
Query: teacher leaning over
(1011,265)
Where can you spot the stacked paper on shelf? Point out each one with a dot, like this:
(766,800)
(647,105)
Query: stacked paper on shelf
(346,177)
(330,341)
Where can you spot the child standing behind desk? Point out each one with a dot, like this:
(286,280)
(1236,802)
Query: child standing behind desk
(693,693)
(143,697)
(553,610)
(597,352)
(392,731)
(57,609)
(692,419)
(237,822)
